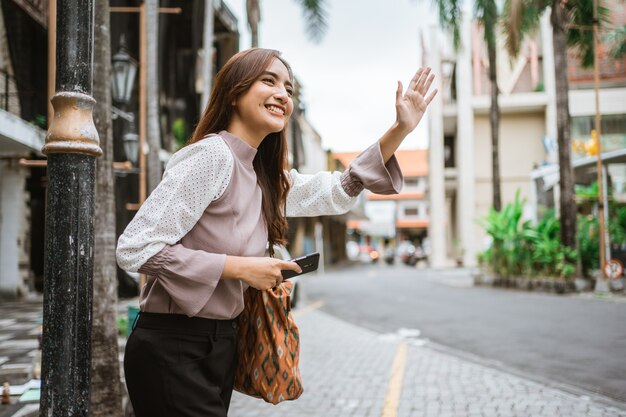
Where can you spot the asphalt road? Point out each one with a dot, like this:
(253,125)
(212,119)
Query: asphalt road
(578,340)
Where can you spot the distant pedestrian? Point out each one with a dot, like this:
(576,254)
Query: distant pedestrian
(202,234)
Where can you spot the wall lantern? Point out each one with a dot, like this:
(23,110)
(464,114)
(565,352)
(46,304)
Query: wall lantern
(124,69)
(131,146)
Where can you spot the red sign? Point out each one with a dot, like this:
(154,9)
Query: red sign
(613,269)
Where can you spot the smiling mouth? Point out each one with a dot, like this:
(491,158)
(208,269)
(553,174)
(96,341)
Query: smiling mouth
(276,109)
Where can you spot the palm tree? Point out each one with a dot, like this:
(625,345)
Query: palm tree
(520,18)
(617,41)
(486,12)
(314,12)
(105,369)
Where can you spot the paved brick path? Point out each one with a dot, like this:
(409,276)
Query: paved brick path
(19,329)
(346,372)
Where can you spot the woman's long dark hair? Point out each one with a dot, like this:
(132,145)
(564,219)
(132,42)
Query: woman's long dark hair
(270,162)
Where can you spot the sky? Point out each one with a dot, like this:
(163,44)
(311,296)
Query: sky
(349,79)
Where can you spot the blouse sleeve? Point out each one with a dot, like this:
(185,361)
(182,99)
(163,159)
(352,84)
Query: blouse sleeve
(327,193)
(195,176)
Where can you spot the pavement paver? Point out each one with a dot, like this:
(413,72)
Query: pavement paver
(19,330)
(346,371)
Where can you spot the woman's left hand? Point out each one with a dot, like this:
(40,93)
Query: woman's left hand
(411,106)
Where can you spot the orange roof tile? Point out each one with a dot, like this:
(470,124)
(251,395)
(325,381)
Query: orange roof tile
(353,224)
(401,196)
(406,224)
(400,224)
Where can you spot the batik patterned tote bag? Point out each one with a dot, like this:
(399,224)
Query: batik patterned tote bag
(268,346)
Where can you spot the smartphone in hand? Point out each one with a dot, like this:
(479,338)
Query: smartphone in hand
(308,263)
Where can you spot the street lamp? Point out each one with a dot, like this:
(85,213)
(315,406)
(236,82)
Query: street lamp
(131,146)
(124,69)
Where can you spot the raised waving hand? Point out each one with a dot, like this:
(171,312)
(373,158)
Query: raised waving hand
(410,108)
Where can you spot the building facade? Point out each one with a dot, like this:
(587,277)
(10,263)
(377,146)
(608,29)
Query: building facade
(460,186)
(27,84)
(23,111)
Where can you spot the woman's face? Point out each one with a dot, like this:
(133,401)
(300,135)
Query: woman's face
(266,107)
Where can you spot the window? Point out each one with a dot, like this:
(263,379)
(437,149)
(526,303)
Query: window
(448,151)
(613,132)
(410,211)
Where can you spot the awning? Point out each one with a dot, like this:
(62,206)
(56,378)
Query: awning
(18,137)
(550,173)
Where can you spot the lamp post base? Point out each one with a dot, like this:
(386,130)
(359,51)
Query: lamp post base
(67,309)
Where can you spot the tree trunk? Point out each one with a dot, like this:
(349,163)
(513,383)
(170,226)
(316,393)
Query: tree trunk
(567,204)
(153,131)
(208,38)
(106,398)
(253,10)
(494,119)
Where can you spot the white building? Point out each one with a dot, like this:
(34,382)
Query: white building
(460,188)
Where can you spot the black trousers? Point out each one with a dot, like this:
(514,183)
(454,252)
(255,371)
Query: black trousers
(177,366)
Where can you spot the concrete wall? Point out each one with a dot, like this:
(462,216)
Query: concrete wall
(520,149)
(315,156)
(14,216)
(612,101)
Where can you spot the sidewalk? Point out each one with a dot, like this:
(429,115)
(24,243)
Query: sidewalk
(349,371)
(19,330)
(19,345)
(20,323)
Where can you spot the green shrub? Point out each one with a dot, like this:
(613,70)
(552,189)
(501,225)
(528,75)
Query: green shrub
(589,236)
(180,132)
(40,121)
(122,325)
(519,248)
(589,243)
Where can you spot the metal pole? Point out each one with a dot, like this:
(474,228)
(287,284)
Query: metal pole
(72,146)
(605,200)
(143,76)
(52,42)
(601,284)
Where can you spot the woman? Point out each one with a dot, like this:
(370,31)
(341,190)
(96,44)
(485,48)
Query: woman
(201,235)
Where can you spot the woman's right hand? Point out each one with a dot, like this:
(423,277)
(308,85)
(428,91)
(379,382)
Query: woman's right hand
(260,273)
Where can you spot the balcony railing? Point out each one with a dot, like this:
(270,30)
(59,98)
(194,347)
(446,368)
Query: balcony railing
(9,95)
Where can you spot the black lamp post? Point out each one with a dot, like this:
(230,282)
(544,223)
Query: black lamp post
(72,145)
